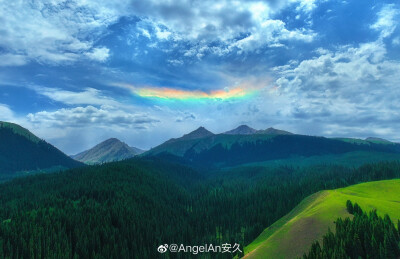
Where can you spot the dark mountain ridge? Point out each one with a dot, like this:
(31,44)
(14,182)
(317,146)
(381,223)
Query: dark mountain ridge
(20,150)
(229,149)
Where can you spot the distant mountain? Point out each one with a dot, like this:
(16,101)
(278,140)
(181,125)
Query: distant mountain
(246,130)
(272,131)
(201,132)
(204,148)
(178,146)
(138,151)
(241,130)
(107,151)
(20,150)
(378,140)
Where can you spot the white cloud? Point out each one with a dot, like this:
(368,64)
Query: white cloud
(272,33)
(53,31)
(387,20)
(12,60)
(162,34)
(6,114)
(307,6)
(346,88)
(64,31)
(203,22)
(87,96)
(99,54)
(90,116)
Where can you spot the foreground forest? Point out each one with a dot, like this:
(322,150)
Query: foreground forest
(366,235)
(127,209)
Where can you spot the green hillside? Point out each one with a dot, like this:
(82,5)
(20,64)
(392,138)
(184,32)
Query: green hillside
(293,234)
(15,128)
(23,153)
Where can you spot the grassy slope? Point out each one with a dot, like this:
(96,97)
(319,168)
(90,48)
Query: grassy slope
(293,234)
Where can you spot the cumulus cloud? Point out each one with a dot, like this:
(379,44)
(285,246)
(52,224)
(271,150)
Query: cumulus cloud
(348,87)
(90,116)
(272,33)
(6,114)
(240,25)
(205,20)
(53,31)
(64,31)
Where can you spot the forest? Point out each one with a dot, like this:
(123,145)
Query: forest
(127,209)
(366,235)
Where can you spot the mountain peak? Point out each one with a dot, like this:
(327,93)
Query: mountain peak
(198,133)
(241,130)
(109,150)
(111,140)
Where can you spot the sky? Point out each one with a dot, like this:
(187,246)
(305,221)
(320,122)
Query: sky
(76,72)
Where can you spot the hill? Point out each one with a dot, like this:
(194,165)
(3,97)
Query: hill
(21,151)
(107,151)
(240,146)
(310,220)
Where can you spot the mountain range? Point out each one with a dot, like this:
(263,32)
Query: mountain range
(245,145)
(109,150)
(246,130)
(22,151)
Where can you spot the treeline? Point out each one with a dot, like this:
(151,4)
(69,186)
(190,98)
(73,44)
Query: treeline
(127,209)
(365,236)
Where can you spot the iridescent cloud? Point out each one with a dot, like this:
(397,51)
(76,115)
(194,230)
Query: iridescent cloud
(166,93)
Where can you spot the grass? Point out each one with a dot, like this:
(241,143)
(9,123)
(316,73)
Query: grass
(293,234)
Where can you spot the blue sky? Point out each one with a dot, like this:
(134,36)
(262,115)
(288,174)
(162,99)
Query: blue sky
(78,72)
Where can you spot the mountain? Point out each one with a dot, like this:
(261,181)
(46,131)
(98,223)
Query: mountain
(272,131)
(378,140)
(138,151)
(206,149)
(22,151)
(246,130)
(107,151)
(310,220)
(241,130)
(201,132)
